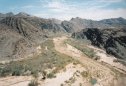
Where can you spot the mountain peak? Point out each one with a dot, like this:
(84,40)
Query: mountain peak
(120,18)
(23,14)
(77,18)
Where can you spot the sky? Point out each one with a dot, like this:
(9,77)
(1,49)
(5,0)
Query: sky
(67,9)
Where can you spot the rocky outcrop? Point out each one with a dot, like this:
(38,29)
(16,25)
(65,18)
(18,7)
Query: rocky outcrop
(112,40)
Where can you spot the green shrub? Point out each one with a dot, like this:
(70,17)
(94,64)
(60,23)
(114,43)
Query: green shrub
(97,58)
(34,74)
(33,83)
(16,73)
(93,81)
(80,84)
(4,72)
(84,74)
(51,75)
(61,85)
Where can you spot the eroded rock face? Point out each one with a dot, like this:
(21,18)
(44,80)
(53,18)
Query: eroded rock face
(112,40)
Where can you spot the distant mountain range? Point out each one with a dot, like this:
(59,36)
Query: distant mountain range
(76,24)
(20,33)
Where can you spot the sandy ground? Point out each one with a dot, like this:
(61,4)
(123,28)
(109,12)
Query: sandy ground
(107,58)
(70,71)
(15,81)
(65,75)
(105,73)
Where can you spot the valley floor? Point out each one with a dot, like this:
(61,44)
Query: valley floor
(87,72)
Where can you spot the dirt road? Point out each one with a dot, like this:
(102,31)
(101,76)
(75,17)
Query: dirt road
(104,75)
(15,81)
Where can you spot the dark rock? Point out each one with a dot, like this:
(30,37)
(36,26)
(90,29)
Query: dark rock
(112,40)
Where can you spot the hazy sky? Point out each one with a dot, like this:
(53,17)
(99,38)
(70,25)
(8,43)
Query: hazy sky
(66,9)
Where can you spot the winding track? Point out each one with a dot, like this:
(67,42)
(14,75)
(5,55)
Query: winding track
(106,76)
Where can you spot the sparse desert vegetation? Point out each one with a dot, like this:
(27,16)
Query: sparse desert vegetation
(85,74)
(36,51)
(33,83)
(81,45)
(52,65)
(48,59)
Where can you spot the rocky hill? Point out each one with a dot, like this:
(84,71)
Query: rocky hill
(21,33)
(112,40)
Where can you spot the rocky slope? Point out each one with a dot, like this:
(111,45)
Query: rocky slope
(18,37)
(23,32)
(112,40)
